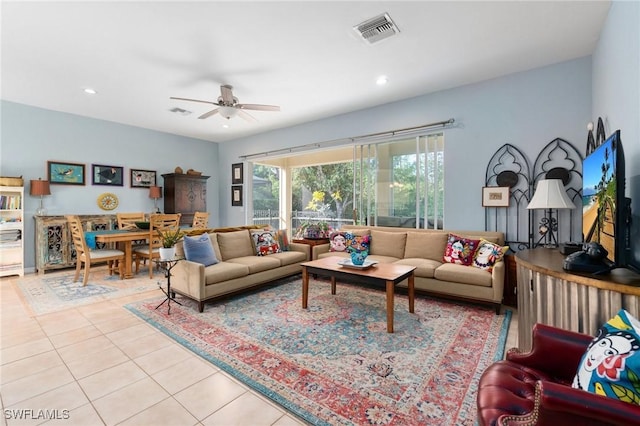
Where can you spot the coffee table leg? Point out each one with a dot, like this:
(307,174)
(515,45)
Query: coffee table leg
(390,286)
(333,285)
(411,293)
(305,287)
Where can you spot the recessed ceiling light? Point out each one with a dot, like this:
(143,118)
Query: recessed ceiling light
(225,126)
(90,91)
(382,80)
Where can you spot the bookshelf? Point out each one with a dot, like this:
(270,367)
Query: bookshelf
(11,231)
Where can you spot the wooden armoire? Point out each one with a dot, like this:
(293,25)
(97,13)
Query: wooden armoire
(186,194)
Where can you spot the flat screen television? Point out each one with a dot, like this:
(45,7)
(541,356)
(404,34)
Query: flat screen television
(604,206)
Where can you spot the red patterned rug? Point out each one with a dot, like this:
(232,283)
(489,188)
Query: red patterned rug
(334,363)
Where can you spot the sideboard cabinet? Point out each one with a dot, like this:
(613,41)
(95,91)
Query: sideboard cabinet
(185,194)
(53,242)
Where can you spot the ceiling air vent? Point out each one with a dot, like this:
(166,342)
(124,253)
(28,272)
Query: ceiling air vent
(377,29)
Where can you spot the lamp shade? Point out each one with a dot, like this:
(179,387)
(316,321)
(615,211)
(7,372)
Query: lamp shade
(550,194)
(40,187)
(155,192)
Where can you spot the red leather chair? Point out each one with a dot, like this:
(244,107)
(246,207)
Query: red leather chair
(534,388)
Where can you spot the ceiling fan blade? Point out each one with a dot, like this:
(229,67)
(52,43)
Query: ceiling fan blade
(227,94)
(208,114)
(259,107)
(193,100)
(246,116)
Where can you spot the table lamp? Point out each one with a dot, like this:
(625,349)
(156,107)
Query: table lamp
(155,192)
(550,194)
(40,187)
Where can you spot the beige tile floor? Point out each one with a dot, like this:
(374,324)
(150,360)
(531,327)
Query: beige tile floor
(105,366)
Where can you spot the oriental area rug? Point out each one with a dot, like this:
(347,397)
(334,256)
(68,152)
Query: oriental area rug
(334,363)
(56,291)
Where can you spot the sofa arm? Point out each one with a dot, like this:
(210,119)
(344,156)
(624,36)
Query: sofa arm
(548,342)
(188,278)
(497,281)
(557,404)
(319,249)
(302,248)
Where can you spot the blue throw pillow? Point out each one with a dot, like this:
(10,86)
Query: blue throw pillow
(199,249)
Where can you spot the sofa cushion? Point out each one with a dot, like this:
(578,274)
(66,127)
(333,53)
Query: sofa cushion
(199,249)
(265,242)
(388,243)
(488,254)
(611,364)
(463,274)
(224,271)
(257,263)
(425,268)
(427,245)
(235,244)
(460,250)
(289,257)
(338,241)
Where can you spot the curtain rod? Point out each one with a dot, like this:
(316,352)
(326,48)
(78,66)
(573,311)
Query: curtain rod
(363,138)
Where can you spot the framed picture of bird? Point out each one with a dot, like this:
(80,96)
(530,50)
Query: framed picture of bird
(106,175)
(64,173)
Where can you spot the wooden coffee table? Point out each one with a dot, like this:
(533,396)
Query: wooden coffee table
(388,274)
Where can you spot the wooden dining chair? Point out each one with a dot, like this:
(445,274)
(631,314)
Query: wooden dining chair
(88,257)
(128,220)
(151,250)
(200,220)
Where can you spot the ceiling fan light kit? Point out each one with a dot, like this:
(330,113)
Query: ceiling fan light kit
(228,105)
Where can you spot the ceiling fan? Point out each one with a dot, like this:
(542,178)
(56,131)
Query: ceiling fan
(228,105)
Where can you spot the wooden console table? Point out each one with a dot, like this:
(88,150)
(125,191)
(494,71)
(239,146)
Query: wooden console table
(573,301)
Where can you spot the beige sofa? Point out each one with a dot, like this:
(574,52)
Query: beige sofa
(424,248)
(238,268)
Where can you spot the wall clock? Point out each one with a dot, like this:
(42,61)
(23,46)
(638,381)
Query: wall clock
(107,201)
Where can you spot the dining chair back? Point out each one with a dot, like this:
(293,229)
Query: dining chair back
(200,220)
(89,257)
(128,220)
(152,249)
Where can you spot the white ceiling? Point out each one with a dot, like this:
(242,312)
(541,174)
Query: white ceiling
(303,56)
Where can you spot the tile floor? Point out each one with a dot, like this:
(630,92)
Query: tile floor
(105,366)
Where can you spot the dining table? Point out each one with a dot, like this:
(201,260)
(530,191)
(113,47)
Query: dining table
(125,238)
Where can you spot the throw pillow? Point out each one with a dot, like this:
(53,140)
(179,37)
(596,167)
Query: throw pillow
(488,254)
(358,243)
(199,249)
(611,364)
(283,239)
(266,242)
(460,250)
(338,241)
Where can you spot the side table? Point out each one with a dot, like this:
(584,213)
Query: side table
(311,242)
(167,266)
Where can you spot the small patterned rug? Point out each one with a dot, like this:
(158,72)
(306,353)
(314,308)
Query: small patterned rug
(334,363)
(56,291)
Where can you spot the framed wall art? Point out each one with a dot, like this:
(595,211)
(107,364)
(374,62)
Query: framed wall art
(65,173)
(237,173)
(236,195)
(142,178)
(106,175)
(495,196)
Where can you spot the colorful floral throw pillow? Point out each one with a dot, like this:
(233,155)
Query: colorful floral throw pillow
(460,250)
(358,243)
(266,242)
(611,364)
(338,241)
(488,254)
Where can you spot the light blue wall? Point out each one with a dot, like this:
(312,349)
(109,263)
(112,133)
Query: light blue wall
(527,109)
(616,95)
(32,136)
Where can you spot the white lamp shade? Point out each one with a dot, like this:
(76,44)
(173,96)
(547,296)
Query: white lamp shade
(550,194)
